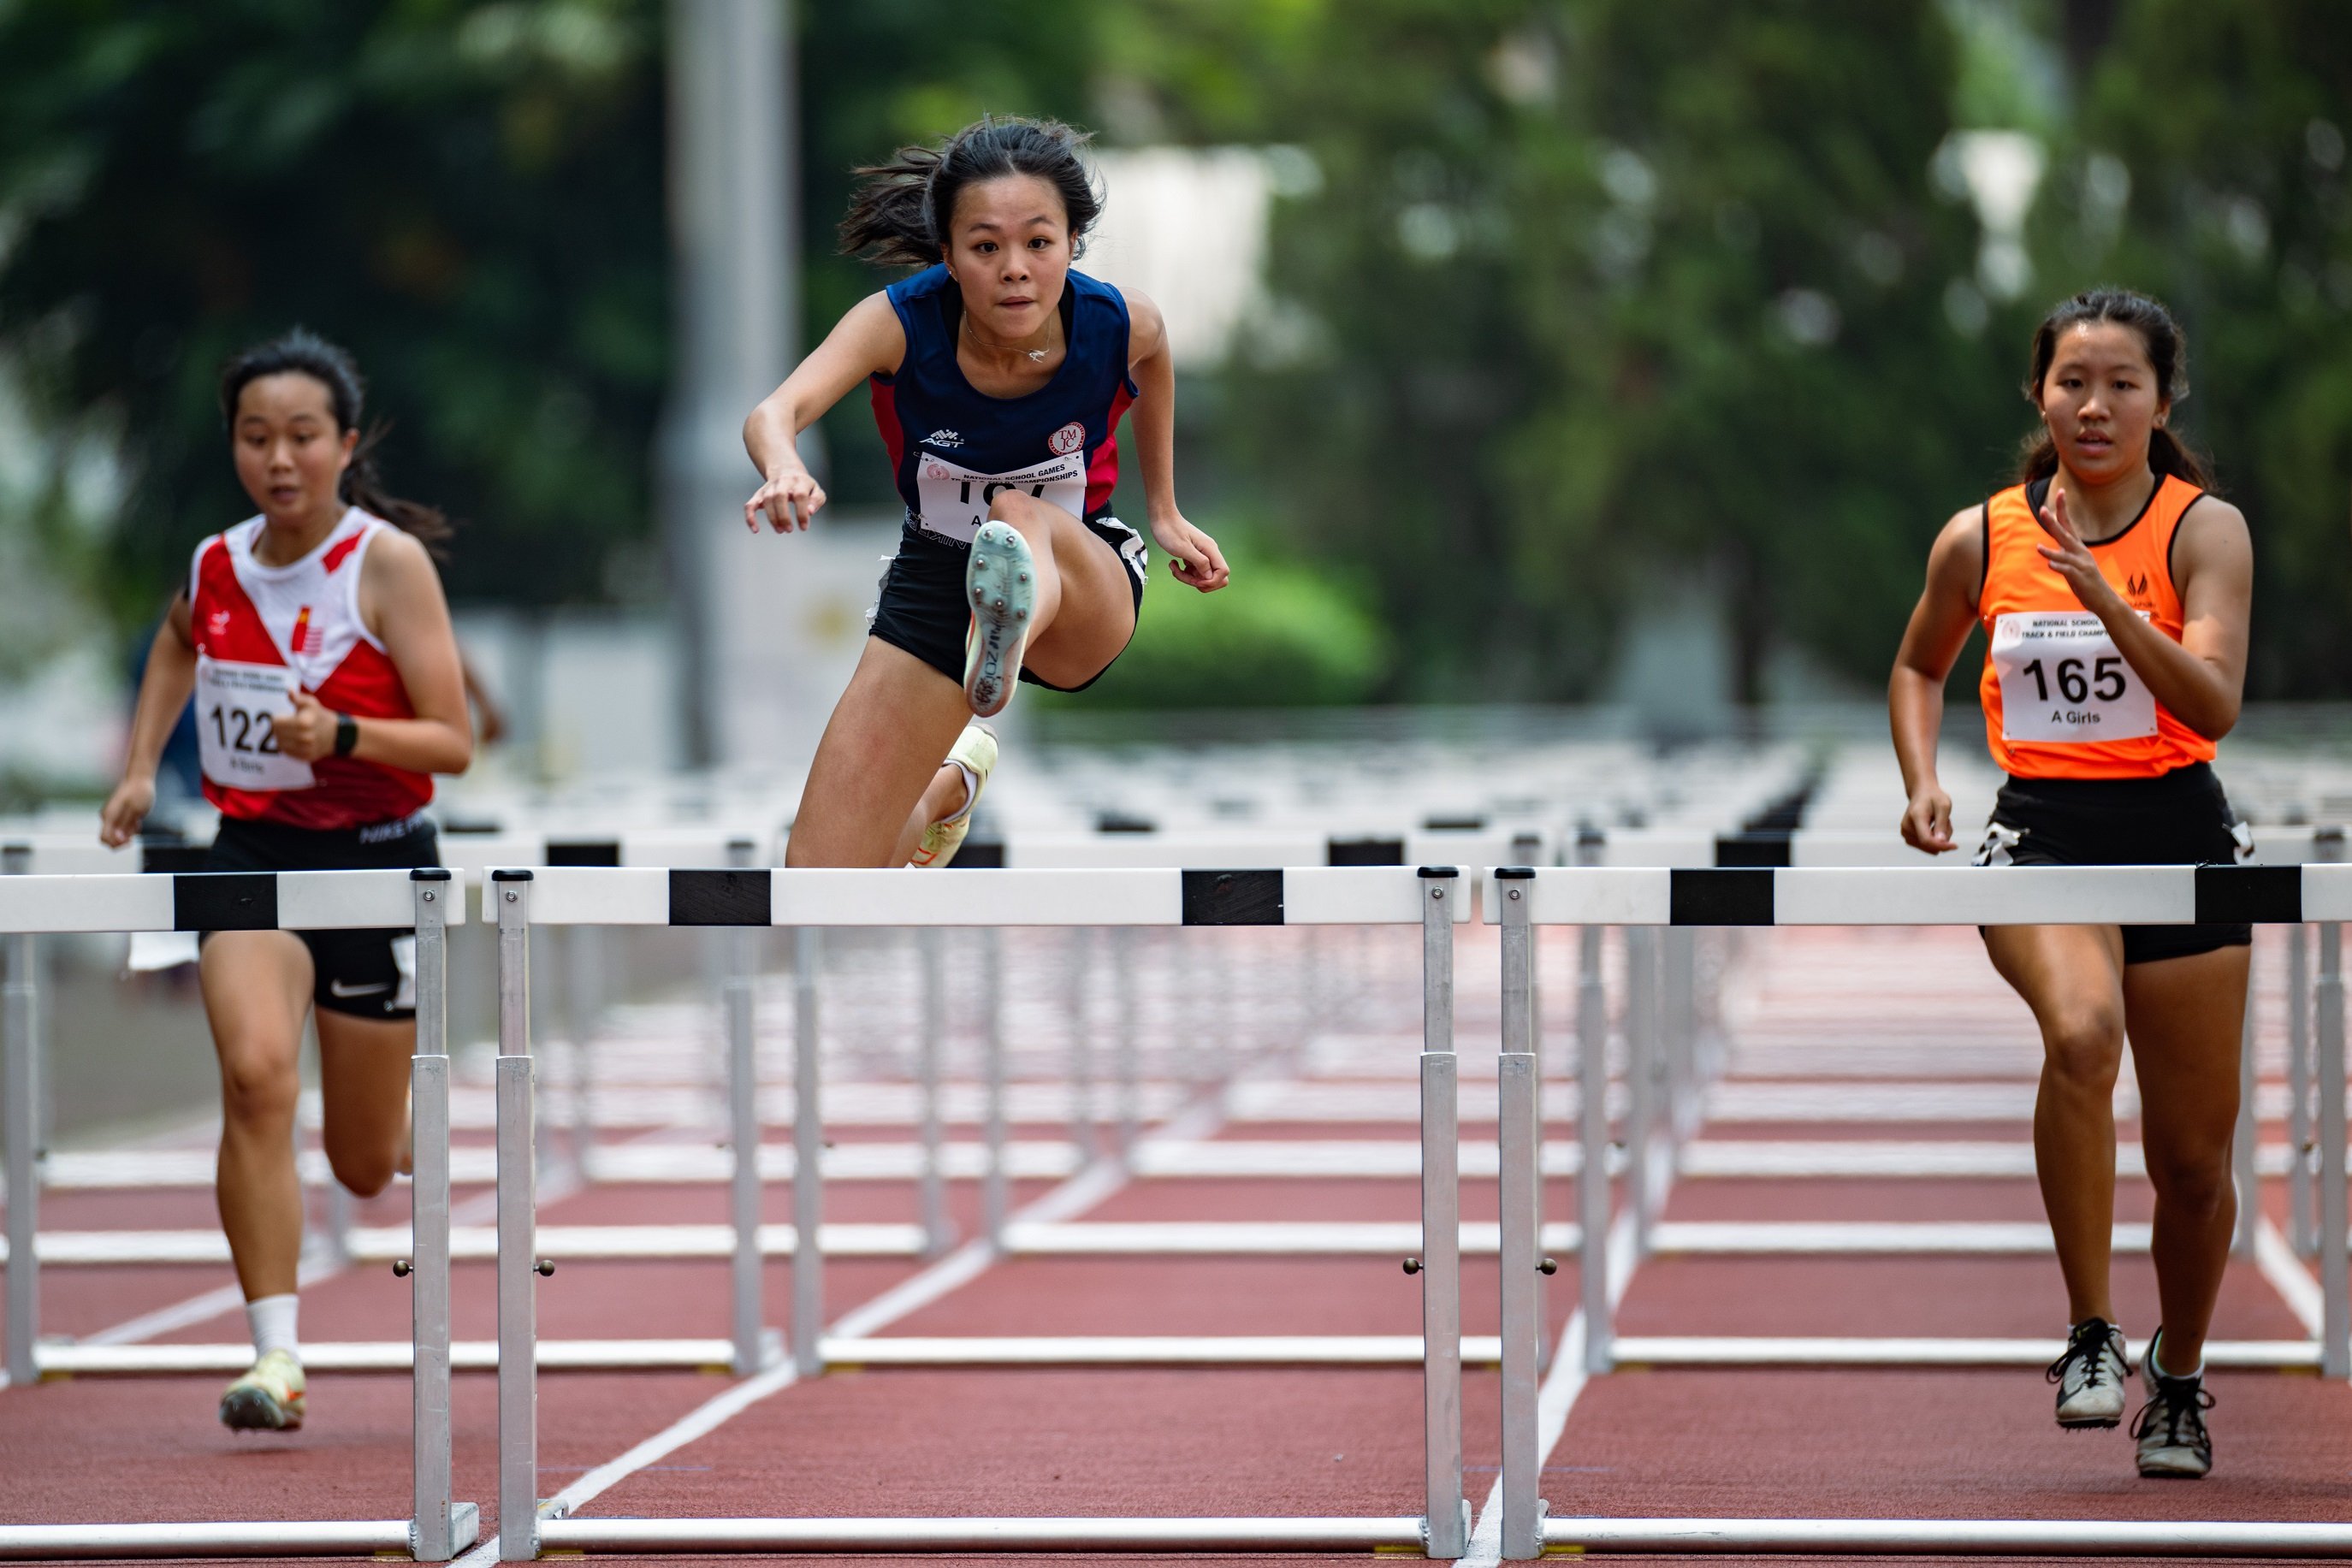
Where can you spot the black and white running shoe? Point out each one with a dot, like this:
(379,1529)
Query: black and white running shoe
(2090,1375)
(2173,1442)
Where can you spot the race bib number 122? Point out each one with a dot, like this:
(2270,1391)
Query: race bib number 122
(2063,680)
(237,708)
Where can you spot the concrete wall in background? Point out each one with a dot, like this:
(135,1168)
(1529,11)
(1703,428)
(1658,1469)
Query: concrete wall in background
(589,692)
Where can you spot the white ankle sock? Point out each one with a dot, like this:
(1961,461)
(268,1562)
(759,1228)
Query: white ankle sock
(2157,1362)
(272,1321)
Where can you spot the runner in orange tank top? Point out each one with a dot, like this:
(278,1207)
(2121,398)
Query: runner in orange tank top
(2114,592)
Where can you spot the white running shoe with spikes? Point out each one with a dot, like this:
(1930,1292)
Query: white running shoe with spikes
(1000,580)
(2090,1376)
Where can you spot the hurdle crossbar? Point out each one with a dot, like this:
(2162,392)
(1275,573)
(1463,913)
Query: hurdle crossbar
(1435,898)
(1767,890)
(422,901)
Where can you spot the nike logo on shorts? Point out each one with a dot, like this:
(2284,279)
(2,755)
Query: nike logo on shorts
(337,988)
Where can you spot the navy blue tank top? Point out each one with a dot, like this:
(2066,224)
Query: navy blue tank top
(953,450)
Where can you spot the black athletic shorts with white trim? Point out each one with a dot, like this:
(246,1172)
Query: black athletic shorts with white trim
(923,609)
(2180,818)
(364,974)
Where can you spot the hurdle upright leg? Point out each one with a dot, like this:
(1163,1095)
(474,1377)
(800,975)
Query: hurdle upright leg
(2243,1172)
(1520,1142)
(19,1016)
(518,1228)
(1130,1047)
(995,1201)
(1447,1520)
(2335,1290)
(442,1526)
(2300,1230)
(749,1314)
(1082,1074)
(1592,1172)
(808,1157)
(938,1234)
(1643,1029)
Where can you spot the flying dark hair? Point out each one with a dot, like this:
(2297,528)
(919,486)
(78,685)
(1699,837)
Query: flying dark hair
(2168,353)
(900,214)
(304,353)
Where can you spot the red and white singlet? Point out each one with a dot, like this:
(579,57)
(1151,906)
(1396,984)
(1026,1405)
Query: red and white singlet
(261,634)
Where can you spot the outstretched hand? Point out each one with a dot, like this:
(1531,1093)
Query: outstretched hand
(791,499)
(1193,556)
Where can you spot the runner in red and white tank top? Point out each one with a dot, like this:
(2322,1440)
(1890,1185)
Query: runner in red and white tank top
(329,691)
(264,634)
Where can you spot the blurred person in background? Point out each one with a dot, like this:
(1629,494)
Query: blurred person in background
(327,690)
(2114,592)
(999,374)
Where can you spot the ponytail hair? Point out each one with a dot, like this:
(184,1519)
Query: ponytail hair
(2168,353)
(304,353)
(900,212)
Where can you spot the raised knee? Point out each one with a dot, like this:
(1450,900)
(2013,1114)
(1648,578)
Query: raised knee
(364,1175)
(2083,1049)
(1019,509)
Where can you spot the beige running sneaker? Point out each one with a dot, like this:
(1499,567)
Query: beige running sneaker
(976,751)
(267,1398)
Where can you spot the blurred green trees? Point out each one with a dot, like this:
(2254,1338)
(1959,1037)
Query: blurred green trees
(1596,298)
(468,196)
(1571,302)
(2210,167)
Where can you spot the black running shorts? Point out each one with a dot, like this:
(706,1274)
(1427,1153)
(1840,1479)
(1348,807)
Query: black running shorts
(2180,818)
(923,609)
(366,974)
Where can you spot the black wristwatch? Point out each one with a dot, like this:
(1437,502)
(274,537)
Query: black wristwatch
(347,734)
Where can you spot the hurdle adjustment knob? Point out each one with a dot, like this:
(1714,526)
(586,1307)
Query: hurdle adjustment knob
(1549,1266)
(400,1267)
(545,1266)
(1412,1265)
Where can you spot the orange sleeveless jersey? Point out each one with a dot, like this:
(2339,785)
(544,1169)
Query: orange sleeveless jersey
(2060,702)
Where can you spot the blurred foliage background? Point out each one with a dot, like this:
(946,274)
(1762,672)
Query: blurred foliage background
(1571,304)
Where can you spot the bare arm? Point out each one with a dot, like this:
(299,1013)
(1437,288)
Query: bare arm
(163,691)
(1192,555)
(401,603)
(2201,679)
(866,342)
(1939,628)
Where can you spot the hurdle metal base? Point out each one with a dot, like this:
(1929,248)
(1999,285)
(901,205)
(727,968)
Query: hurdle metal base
(980,1535)
(1698,1350)
(1923,1537)
(377,1537)
(718,1355)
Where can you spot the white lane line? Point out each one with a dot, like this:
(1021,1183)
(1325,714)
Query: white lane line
(1556,1398)
(562,1182)
(956,1270)
(2289,1278)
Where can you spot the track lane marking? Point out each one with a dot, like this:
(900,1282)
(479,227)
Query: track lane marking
(958,1269)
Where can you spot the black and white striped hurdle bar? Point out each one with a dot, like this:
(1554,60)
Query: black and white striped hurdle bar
(216,901)
(2275,845)
(1293,896)
(2007,895)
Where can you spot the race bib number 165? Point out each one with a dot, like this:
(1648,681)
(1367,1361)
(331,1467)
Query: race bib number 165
(2063,680)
